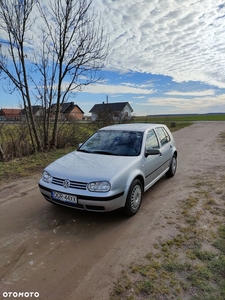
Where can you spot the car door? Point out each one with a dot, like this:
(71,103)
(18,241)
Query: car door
(165,148)
(152,162)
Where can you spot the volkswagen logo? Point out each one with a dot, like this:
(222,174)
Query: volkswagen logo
(66,183)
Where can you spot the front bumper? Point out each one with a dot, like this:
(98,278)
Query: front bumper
(90,203)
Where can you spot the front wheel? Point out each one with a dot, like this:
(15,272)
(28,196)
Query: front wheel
(173,167)
(134,198)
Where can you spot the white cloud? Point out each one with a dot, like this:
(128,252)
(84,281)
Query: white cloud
(182,39)
(139,97)
(184,105)
(116,89)
(188,94)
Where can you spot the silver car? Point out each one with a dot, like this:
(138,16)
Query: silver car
(112,168)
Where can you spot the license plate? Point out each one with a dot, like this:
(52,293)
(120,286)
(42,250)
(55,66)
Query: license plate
(64,197)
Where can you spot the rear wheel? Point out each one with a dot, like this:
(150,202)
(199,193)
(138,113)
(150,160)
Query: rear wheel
(173,167)
(134,198)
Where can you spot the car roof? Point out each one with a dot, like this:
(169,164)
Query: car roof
(133,126)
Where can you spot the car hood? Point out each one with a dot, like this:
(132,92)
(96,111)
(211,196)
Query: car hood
(80,166)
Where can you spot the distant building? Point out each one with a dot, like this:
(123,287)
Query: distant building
(68,111)
(37,111)
(10,114)
(117,111)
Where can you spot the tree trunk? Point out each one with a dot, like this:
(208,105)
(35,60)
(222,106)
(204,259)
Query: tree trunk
(2,155)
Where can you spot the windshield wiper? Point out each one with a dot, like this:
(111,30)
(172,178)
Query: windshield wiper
(86,151)
(103,152)
(97,152)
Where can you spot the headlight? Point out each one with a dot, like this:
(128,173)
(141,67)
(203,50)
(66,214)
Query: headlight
(99,186)
(46,177)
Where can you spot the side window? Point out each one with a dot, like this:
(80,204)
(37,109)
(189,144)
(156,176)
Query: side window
(151,140)
(163,135)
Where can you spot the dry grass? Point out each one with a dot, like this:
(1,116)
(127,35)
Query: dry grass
(27,166)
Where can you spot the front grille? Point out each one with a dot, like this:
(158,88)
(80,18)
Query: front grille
(46,197)
(73,184)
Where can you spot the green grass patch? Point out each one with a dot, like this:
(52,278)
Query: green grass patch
(180,118)
(172,123)
(176,122)
(30,165)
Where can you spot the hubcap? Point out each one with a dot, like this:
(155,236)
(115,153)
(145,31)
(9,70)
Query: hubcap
(136,197)
(174,165)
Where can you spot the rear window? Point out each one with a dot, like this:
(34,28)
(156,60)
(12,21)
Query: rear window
(162,135)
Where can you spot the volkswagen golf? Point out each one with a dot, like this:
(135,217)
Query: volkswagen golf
(112,168)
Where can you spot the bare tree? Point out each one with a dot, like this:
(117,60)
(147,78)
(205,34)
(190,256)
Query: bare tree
(104,116)
(72,47)
(15,23)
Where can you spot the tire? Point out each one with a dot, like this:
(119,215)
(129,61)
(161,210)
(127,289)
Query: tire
(173,167)
(134,198)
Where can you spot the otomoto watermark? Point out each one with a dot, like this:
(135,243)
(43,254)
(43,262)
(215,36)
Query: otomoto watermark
(20,294)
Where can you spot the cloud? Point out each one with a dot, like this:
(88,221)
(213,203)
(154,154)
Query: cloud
(182,39)
(189,94)
(139,97)
(117,89)
(185,105)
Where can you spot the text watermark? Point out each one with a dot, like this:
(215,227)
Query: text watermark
(20,294)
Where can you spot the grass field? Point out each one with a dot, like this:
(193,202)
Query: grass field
(176,122)
(180,118)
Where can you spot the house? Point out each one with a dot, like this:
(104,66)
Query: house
(12,114)
(68,111)
(117,111)
(37,111)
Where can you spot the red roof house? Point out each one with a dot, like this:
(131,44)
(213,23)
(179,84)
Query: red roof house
(10,113)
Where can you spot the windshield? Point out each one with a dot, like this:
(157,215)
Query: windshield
(114,142)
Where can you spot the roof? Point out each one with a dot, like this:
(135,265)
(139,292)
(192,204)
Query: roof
(132,126)
(117,106)
(35,109)
(67,107)
(11,111)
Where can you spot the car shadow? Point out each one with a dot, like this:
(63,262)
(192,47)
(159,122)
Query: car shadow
(70,222)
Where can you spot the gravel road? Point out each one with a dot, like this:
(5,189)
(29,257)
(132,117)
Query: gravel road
(62,253)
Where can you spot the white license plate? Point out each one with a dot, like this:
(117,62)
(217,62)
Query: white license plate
(64,197)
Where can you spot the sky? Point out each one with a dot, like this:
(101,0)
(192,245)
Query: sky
(165,57)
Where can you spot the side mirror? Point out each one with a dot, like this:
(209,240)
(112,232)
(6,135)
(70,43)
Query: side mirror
(152,152)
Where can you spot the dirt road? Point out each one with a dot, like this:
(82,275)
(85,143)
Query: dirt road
(65,254)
